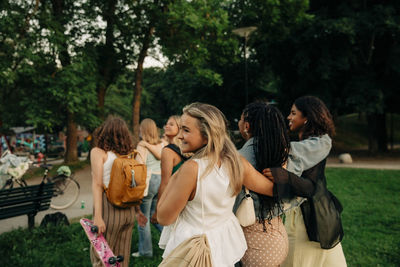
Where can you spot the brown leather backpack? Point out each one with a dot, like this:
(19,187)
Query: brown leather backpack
(127,181)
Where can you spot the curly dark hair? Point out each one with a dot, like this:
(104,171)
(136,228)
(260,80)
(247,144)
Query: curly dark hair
(271,145)
(319,119)
(113,135)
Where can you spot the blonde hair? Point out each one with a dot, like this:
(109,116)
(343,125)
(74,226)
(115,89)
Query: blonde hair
(219,148)
(178,121)
(149,132)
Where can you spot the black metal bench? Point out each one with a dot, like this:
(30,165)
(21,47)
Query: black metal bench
(27,200)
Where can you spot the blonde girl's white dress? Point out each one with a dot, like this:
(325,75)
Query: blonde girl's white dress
(223,231)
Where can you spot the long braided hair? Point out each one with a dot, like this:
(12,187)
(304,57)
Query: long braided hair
(271,145)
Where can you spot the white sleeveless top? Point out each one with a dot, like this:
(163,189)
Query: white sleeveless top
(107,167)
(223,231)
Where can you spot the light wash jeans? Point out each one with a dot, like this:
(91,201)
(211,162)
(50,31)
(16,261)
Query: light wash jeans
(148,207)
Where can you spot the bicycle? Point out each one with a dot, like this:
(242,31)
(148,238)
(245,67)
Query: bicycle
(66,188)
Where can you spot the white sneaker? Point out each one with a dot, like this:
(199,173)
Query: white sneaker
(136,254)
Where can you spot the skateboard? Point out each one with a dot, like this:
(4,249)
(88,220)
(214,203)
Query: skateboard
(100,244)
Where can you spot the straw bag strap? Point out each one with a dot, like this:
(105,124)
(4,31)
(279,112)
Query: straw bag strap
(202,203)
(247,192)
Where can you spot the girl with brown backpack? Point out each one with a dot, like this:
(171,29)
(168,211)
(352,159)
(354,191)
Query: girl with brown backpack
(112,138)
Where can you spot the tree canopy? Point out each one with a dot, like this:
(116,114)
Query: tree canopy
(65,63)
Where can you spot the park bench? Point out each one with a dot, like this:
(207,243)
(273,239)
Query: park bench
(27,200)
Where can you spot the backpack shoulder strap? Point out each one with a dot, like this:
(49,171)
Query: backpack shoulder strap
(130,155)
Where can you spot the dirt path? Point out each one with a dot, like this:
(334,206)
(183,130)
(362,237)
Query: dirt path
(366,163)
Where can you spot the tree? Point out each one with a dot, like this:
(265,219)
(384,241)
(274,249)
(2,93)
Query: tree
(42,68)
(128,37)
(14,58)
(193,35)
(345,52)
(147,39)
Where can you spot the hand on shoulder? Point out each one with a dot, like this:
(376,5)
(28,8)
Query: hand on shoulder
(142,143)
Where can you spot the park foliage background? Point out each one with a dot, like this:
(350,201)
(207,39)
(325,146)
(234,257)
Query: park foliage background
(65,63)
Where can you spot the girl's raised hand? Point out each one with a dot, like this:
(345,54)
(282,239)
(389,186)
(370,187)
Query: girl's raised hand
(267,173)
(143,143)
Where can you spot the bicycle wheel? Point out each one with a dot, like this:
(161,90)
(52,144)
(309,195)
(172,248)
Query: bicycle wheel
(66,192)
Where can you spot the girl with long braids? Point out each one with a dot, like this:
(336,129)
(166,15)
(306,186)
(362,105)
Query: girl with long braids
(314,233)
(267,145)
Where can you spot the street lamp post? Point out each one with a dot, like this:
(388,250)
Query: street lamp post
(245,33)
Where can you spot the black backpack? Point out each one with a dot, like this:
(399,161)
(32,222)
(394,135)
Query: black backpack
(54,219)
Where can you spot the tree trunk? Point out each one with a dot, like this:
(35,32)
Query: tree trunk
(377,135)
(101,96)
(107,58)
(138,84)
(136,106)
(71,154)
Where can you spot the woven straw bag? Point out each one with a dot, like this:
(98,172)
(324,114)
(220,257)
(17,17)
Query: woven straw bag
(193,252)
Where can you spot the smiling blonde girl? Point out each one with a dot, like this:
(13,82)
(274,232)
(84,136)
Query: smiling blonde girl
(202,192)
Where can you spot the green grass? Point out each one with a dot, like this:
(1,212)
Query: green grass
(371,214)
(61,246)
(371,222)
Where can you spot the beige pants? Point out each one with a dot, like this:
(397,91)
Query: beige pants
(267,248)
(305,253)
(119,226)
